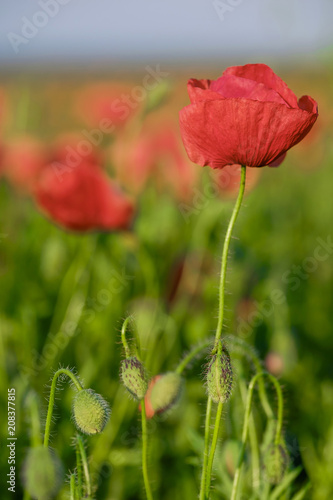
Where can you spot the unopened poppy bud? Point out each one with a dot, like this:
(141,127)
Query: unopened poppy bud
(275,463)
(42,473)
(219,377)
(134,377)
(90,411)
(166,392)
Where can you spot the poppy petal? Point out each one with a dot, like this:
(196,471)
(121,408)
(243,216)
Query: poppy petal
(262,73)
(242,131)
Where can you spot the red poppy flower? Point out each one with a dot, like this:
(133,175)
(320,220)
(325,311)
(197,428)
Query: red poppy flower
(83,198)
(248,116)
(23,159)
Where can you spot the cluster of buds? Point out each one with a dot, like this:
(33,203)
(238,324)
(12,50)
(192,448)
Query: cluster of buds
(160,394)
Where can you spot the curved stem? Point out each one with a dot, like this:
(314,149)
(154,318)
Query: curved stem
(123,337)
(246,424)
(124,340)
(77,383)
(225,254)
(191,355)
(144,451)
(256,361)
(213,447)
(206,450)
(85,466)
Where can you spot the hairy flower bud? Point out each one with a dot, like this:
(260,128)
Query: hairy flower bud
(166,392)
(134,377)
(90,411)
(219,377)
(42,473)
(275,463)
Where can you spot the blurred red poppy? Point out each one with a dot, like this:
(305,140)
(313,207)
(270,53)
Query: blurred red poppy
(154,154)
(83,198)
(23,159)
(248,116)
(71,148)
(106,105)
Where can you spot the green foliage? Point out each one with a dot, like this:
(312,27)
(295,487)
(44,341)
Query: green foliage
(63,298)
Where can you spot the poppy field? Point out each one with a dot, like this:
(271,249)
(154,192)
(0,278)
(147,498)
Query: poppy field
(165,326)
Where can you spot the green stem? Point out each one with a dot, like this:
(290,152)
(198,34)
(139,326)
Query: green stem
(124,340)
(255,458)
(225,254)
(213,447)
(72,487)
(145,450)
(61,371)
(78,470)
(206,450)
(123,337)
(249,351)
(246,424)
(84,464)
(206,475)
(191,355)
(35,422)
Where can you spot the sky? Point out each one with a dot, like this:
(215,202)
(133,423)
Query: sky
(136,31)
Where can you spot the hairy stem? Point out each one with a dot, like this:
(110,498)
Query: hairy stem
(72,487)
(77,383)
(225,254)
(206,475)
(124,340)
(213,447)
(85,466)
(78,470)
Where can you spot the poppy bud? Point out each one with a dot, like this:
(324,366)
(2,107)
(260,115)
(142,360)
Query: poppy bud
(90,412)
(134,377)
(166,392)
(275,463)
(42,473)
(219,377)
